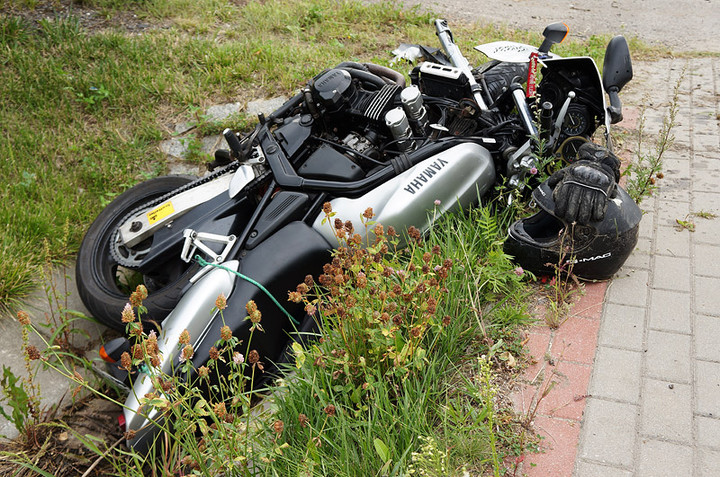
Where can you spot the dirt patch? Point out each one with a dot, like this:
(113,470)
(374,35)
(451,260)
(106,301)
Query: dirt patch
(55,448)
(89,19)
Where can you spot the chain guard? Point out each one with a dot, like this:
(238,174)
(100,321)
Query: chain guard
(134,258)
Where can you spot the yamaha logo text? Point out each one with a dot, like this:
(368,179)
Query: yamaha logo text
(422,178)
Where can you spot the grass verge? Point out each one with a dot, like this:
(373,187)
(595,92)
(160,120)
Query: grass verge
(406,377)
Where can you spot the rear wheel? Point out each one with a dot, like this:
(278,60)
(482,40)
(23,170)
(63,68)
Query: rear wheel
(104,285)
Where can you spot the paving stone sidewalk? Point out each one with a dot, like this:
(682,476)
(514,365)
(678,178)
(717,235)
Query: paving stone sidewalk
(654,396)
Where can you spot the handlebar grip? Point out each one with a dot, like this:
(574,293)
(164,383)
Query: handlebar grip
(233,142)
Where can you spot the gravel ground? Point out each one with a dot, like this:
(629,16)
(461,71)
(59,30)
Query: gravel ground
(681,25)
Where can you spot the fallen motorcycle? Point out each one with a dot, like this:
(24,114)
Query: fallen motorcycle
(356,136)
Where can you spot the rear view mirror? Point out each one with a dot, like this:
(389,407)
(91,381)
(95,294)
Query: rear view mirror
(554,33)
(617,72)
(617,67)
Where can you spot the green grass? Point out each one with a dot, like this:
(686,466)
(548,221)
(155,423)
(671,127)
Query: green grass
(436,414)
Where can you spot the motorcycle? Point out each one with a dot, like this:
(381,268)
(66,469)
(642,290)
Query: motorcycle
(356,136)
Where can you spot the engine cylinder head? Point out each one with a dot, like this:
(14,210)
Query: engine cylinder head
(397,121)
(413,105)
(333,88)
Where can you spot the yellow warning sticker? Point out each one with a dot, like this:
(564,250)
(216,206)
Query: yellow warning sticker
(162,211)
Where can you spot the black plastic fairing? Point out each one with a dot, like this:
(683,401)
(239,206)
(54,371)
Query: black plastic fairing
(285,207)
(328,164)
(220,215)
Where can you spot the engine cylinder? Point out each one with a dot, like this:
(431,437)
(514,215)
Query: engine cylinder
(397,122)
(334,88)
(413,105)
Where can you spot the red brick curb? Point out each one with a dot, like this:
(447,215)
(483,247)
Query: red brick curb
(563,356)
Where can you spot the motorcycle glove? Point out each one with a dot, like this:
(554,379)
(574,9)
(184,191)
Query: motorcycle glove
(581,191)
(601,155)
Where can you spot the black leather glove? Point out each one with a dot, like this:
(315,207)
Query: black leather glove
(600,155)
(581,191)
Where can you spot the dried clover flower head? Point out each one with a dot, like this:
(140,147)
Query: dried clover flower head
(214,353)
(327,207)
(253,356)
(221,302)
(151,344)
(128,315)
(142,291)
(126,361)
(303,420)
(137,297)
(203,371)
(226,333)
(184,337)
(23,317)
(414,233)
(187,353)
(253,312)
(278,426)
(220,410)
(330,410)
(256,316)
(32,352)
(138,352)
(368,214)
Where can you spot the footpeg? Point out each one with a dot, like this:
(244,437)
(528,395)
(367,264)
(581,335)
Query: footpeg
(195,240)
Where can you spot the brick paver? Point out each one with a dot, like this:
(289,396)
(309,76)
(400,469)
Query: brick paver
(654,408)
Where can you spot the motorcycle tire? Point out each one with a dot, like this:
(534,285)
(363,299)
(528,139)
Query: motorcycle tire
(104,286)
(498,76)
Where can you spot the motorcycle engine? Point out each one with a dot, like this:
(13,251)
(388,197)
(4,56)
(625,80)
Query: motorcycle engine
(339,135)
(337,93)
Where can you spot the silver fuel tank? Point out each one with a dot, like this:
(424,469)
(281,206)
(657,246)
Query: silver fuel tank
(456,177)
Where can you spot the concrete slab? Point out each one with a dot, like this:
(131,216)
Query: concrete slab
(45,307)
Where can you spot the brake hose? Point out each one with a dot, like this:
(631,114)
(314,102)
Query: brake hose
(204,263)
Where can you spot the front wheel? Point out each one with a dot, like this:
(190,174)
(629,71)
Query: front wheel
(498,76)
(104,285)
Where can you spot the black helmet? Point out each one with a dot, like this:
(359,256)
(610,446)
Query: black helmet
(596,251)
